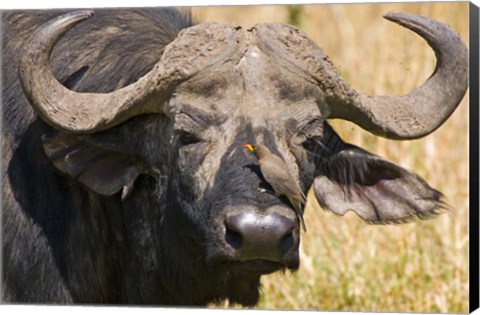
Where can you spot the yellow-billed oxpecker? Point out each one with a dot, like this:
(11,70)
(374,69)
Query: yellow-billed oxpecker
(277,174)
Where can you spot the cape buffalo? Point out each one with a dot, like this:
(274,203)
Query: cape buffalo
(125,179)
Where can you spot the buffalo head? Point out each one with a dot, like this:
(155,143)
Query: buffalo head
(216,87)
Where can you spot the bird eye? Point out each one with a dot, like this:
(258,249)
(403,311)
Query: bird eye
(187,138)
(309,144)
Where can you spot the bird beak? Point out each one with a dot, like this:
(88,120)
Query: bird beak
(249,147)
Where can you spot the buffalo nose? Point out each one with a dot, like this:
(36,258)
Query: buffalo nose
(254,236)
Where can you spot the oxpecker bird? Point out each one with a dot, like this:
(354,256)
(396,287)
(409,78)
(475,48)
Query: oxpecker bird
(277,174)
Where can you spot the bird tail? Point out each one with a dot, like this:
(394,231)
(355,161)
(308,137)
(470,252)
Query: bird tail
(299,211)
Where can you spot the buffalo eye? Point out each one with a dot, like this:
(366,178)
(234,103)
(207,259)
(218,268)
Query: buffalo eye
(310,135)
(187,138)
(310,144)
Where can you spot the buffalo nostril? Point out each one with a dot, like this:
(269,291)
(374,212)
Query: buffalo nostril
(287,242)
(233,238)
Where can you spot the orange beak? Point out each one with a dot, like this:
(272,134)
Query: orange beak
(249,147)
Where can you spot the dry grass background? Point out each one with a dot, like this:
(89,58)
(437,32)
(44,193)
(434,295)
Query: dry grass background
(345,263)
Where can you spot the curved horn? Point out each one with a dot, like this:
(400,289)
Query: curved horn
(409,116)
(426,108)
(70,111)
(194,49)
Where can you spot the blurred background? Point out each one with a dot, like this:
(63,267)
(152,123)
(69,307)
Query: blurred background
(347,264)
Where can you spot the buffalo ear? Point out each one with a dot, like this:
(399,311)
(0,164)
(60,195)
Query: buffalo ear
(377,190)
(100,169)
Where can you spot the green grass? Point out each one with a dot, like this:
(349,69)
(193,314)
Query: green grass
(295,15)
